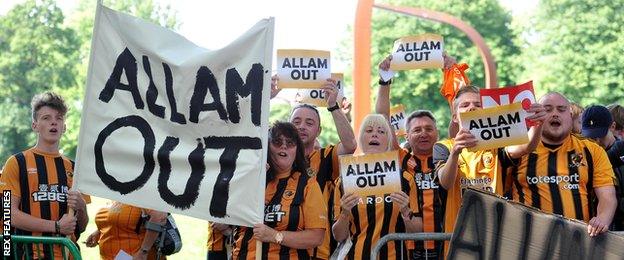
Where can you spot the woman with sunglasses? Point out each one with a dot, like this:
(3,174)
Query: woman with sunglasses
(366,220)
(294,215)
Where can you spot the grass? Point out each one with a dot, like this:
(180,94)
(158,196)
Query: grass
(194,234)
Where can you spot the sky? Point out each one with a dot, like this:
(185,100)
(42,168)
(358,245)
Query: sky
(299,24)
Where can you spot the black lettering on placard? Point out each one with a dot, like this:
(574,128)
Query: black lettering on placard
(227,161)
(489,227)
(125,63)
(317,93)
(152,92)
(175,116)
(474,244)
(191,190)
(205,82)
(416,56)
(235,87)
(148,151)
(303,74)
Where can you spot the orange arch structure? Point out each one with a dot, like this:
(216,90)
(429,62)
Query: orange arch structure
(362,45)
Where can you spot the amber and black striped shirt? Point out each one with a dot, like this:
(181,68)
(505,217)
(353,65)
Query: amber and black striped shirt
(292,203)
(560,179)
(431,196)
(41,180)
(324,167)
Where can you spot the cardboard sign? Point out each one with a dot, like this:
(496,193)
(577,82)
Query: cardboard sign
(522,93)
(156,137)
(303,68)
(316,97)
(397,119)
(376,174)
(489,227)
(496,126)
(418,52)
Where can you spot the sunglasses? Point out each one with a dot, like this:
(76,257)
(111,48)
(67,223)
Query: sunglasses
(280,141)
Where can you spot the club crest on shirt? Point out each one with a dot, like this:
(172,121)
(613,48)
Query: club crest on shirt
(488,159)
(310,172)
(576,160)
(289,194)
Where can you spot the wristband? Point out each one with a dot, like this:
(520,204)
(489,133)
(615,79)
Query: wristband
(384,83)
(331,109)
(57,227)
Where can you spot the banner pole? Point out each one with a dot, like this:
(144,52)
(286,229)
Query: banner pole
(258,249)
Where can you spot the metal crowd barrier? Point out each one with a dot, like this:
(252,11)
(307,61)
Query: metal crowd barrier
(26,241)
(407,236)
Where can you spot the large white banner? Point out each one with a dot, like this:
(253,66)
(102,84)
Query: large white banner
(171,126)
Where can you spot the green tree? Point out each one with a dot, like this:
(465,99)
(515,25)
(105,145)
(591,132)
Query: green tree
(575,47)
(419,89)
(37,53)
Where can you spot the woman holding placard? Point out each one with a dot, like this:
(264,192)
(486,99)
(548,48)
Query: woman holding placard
(295,217)
(364,220)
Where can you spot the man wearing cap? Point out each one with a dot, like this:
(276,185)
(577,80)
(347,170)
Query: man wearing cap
(597,124)
(564,170)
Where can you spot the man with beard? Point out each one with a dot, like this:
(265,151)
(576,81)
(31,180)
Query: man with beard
(421,135)
(324,164)
(564,170)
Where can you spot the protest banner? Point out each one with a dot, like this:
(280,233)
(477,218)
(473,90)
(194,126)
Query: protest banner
(377,174)
(418,52)
(522,93)
(302,68)
(496,126)
(397,119)
(156,137)
(489,227)
(316,97)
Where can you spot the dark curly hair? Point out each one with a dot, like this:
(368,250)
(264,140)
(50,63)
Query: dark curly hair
(287,130)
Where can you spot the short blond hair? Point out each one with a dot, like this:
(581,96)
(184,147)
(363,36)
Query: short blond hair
(576,109)
(374,120)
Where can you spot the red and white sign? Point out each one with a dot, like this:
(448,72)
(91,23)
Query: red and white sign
(522,93)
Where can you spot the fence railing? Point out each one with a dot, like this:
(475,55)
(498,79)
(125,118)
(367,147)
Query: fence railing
(407,236)
(24,242)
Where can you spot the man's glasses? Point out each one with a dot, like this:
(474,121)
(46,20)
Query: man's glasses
(280,141)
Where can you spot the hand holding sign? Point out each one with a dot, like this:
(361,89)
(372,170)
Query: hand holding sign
(463,139)
(331,92)
(538,114)
(385,73)
(402,201)
(348,201)
(274,89)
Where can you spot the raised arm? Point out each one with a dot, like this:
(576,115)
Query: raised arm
(382,105)
(343,127)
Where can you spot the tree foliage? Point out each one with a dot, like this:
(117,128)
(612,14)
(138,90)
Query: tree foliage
(575,47)
(37,53)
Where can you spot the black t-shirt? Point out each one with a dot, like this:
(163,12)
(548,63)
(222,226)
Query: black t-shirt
(616,154)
